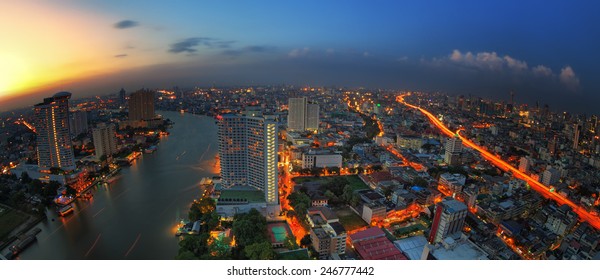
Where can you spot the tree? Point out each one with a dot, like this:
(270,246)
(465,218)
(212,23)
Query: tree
(260,251)
(305,241)
(249,228)
(290,243)
(196,244)
(185,255)
(301,202)
(377,168)
(25,178)
(347,194)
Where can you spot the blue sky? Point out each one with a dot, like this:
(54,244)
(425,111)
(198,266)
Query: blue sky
(544,50)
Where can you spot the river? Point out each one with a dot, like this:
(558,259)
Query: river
(134,216)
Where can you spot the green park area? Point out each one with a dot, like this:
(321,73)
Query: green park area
(349,219)
(353,180)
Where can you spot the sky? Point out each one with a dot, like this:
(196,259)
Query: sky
(544,51)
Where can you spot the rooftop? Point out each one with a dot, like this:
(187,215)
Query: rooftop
(369,233)
(412,247)
(379,248)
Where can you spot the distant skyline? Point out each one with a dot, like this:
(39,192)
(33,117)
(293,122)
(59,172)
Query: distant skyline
(542,50)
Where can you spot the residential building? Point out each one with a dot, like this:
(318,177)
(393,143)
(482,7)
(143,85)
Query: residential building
(321,159)
(105,142)
(54,148)
(141,105)
(248,154)
(453,151)
(327,234)
(296,114)
(78,123)
(312,117)
(448,219)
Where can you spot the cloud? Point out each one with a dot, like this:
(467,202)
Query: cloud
(121,55)
(126,24)
(542,71)
(249,49)
(515,64)
(299,52)
(568,78)
(487,60)
(367,54)
(190,45)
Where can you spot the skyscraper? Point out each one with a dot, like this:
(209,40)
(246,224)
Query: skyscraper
(53,138)
(78,123)
(453,151)
(449,217)
(248,153)
(141,105)
(302,115)
(105,142)
(122,97)
(312,117)
(297,113)
(576,135)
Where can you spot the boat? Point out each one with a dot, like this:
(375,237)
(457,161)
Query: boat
(150,149)
(16,249)
(65,210)
(87,196)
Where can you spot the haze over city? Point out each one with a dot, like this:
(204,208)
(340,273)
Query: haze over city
(541,51)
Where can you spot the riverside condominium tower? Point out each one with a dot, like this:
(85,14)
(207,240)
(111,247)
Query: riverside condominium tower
(53,138)
(248,153)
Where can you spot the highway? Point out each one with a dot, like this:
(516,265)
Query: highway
(584,215)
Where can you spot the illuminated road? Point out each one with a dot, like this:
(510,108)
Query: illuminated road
(592,219)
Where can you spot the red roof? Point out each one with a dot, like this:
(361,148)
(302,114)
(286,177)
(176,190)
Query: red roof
(370,233)
(379,248)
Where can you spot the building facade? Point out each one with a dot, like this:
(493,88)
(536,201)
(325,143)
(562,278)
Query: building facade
(453,151)
(296,113)
(312,117)
(54,148)
(105,142)
(449,217)
(248,153)
(302,115)
(141,105)
(78,123)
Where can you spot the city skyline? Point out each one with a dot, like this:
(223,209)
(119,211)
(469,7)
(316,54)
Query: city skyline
(541,52)
(197,130)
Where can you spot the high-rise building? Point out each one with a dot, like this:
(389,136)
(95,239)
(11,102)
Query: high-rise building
(105,141)
(297,113)
(53,138)
(78,123)
(122,97)
(453,151)
(141,105)
(248,153)
(449,217)
(302,115)
(552,143)
(576,135)
(312,117)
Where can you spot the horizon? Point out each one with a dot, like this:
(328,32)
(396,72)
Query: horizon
(542,53)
